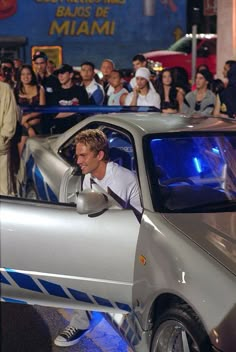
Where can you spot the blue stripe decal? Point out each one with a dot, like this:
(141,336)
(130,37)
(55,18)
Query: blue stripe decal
(123,306)
(27,282)
(80,296)
(53,289)
(130,334)
(40,184)
(103,301)
(51,194)
(29,168)
(3,280)
(24,281)
(12,300)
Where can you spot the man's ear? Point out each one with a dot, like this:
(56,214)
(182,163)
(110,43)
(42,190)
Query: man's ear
(100,155)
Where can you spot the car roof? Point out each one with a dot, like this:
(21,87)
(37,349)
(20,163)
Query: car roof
(143,123)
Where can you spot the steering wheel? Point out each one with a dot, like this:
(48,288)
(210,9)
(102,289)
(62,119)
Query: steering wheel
(178,180)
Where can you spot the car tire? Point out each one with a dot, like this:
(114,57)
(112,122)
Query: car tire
(31,192)
(178,329)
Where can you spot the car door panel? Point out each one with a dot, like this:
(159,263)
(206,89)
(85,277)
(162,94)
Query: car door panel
(50,252)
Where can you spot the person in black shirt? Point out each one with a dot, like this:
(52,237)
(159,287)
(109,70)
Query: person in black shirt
(69,94)
(50,82)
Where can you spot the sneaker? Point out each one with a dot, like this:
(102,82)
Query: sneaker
(69,337)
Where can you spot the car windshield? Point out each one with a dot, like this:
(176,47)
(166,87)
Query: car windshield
(192,173)
(183,45)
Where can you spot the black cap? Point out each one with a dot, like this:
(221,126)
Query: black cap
(206,74)
(39,54)
(63,68)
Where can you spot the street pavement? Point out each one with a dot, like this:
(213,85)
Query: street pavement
(26,328)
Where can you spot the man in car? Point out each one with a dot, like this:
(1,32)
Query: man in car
(92,154)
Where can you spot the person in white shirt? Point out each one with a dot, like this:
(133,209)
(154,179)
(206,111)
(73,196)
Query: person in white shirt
(92,152)
(119,94)
(143,94)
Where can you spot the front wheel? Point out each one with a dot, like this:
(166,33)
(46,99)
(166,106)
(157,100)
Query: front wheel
(179,330)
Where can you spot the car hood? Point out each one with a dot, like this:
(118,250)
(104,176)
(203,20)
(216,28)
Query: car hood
(213,232)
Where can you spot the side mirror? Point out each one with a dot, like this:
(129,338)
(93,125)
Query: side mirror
(91,202)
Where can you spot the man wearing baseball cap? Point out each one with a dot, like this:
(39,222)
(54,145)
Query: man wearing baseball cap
(69,94)
(48,81)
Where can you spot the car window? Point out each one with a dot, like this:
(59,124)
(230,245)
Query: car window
(120,148)
(193,172)
(183,45)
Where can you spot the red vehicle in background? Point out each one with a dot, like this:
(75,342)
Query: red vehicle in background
(180,53)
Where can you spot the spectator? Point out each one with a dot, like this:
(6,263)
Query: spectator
(28,93)
(119,94)
(171,98)
(95,90)
(93,158)
(217,86)
(51,67)
(143,93)
(44,78)
(68,94)
(17,65)
(227,66)
(202,100)
(138,61)
(225,102)
(8,72)
(180,78)
(8,118)
(106,68)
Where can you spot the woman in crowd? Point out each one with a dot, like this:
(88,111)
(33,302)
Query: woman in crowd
(28,93)
(171,97)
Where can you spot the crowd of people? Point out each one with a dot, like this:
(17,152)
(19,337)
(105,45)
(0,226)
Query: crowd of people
(42,83)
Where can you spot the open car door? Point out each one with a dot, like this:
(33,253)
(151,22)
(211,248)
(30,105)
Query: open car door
(53,255)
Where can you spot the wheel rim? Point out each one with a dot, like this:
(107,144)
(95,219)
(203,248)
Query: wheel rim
(172,336)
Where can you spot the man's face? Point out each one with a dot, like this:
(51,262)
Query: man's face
(141,82)
(65,77)
(225,70)
(115,80)
(137,64)
(86,159)
(40,65)
(87,73)
(201,82)
(106,69)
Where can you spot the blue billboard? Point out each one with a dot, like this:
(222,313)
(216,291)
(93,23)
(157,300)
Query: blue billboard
(95,29)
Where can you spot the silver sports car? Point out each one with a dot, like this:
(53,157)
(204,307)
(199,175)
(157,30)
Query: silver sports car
(166,281)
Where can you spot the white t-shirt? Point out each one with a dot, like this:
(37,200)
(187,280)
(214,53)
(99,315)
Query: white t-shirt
(122,183)
(151,99)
